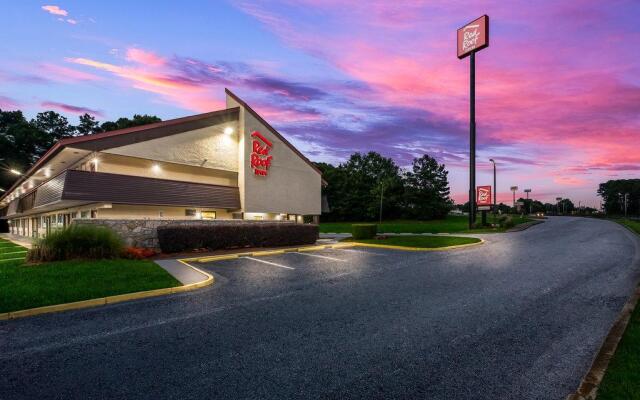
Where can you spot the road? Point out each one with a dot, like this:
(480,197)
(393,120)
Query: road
(519,317)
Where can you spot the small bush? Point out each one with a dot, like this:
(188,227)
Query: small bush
(505,221)
(76,242)
(218,236)
(364,231)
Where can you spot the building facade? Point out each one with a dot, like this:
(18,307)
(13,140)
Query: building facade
(227,164)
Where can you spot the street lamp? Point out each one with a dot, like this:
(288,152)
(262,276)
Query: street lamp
(514,189)
(527,191)
(558,199)
(495,203)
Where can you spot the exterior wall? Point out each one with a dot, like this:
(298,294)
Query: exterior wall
(291,185)
(143,232)
(207,147)
(134,166)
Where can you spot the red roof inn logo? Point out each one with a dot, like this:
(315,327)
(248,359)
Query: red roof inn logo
(260,158)
(473,37)
(484,196)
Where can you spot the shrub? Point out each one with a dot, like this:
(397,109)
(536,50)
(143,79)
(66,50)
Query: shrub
(505,221)
(76,241)
(218,236)
(364,231)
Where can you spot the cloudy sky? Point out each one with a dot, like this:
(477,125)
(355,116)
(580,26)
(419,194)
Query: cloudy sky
(558,90)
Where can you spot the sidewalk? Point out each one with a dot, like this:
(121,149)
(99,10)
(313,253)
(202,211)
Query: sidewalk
(21,240)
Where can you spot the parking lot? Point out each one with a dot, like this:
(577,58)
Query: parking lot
(521,316)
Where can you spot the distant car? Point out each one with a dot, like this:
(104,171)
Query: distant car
(539,214)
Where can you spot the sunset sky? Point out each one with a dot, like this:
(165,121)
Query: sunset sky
(558,89)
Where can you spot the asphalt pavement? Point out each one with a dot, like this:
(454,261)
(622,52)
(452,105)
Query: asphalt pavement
(521,316)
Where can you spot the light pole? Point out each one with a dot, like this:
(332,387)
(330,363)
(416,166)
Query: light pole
(558,199)
(495,190)
(527,191)
(514,189)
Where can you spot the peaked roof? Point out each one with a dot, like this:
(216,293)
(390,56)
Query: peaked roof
(272,129)
(136,134)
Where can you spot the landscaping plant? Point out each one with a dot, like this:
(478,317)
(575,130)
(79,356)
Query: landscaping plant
(77,242)
(364,231)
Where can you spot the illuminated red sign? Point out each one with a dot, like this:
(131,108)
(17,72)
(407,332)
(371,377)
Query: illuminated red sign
(483,196)
(473,37)
(260,158)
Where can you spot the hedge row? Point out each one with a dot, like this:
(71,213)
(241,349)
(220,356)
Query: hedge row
(175,238)
(364,231)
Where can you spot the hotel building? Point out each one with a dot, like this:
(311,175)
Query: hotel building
(227,164)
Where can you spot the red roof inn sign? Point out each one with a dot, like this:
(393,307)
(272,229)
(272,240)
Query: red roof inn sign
(483,194)
(473,37)
(260,158)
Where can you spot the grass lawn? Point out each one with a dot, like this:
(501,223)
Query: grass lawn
(452,224)
(28,286)
(634,225)
(425,242)
(622,380)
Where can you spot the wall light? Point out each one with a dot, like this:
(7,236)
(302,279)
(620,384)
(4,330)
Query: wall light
(228,130)
(95,160)
(47,172)
(156,169)
(2,190)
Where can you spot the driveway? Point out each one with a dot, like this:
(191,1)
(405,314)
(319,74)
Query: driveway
(519,317)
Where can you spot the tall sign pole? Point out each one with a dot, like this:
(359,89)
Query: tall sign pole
(472,38)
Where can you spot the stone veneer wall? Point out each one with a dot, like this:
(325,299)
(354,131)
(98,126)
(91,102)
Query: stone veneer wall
(143,232)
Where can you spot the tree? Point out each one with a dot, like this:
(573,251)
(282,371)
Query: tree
(53,125)
(613,191)
(427,189)
(123,123)
(355,187)
(88,125)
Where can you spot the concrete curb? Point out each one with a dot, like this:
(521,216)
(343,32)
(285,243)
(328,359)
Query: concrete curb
(110,299)
(388,246)
(524,226)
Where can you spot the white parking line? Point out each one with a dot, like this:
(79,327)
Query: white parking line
(319,256)
(268,262)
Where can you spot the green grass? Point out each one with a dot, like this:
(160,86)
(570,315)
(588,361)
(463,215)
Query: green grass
(452,224)
(633,225)
(425,242)
(622,380)
(26,286)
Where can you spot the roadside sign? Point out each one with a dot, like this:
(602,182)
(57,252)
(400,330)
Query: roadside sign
(483,196)
(473,37)
(514,188)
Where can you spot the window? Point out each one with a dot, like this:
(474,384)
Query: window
(94,213)
(60,219)
(190,212)
(84,214)
(74,214)
(208,215)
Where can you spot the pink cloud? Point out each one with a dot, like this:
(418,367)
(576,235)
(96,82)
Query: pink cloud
(7,103)
(70,108)
(55,10)
(65,74)
(144,57)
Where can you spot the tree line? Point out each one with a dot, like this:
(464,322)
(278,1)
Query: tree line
(367,185)
(615,192)
(23,142)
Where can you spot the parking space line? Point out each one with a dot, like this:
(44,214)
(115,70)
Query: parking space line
(267,262)
(319,256)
